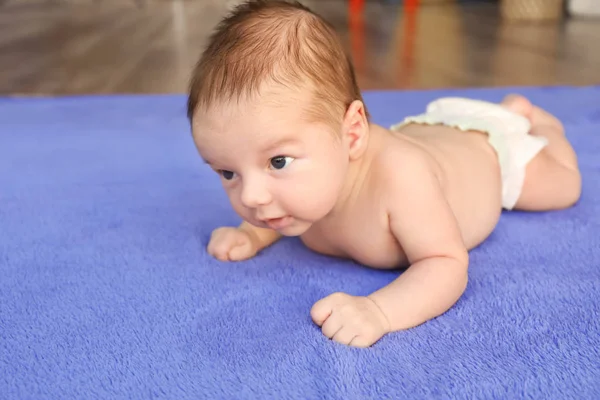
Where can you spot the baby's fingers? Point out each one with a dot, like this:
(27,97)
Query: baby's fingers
(332,325)
(345,335)
(321,310)
(361,341)
(220,247)
(241,252)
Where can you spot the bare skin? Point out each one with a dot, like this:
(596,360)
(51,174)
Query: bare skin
(419,198)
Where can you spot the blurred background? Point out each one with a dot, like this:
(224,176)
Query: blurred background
(58,47)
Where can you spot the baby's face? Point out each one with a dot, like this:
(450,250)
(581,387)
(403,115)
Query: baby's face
(279,170)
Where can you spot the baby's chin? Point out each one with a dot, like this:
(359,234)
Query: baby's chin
(297,228)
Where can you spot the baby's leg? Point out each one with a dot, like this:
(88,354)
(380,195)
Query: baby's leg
(552,178)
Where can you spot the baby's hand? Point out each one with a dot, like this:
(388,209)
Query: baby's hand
(353,320)
(231,244)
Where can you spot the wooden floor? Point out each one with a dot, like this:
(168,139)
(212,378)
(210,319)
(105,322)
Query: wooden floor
(125,46)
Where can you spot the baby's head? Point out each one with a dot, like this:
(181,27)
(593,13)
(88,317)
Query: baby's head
(276,111)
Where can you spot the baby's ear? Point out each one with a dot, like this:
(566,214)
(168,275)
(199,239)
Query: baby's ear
(355,129)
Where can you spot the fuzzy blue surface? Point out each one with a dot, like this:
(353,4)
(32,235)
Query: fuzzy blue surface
(106,290)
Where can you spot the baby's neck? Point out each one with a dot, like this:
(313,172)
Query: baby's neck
(358,173)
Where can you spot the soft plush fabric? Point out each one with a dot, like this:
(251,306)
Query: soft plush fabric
(106,290)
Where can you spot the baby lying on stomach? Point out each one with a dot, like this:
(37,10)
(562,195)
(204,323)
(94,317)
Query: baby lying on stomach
(276,112)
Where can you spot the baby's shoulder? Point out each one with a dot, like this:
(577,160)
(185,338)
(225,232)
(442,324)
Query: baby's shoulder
(408,176)
(401,161)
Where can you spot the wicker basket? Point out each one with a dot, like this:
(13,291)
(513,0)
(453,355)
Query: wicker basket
(532,10)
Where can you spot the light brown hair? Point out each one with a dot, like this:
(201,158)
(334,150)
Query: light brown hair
(275,41)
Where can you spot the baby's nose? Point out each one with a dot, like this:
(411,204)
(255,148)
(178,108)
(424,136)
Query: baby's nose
(255,194)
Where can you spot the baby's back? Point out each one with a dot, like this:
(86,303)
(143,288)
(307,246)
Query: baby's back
(466,167)
(468,170)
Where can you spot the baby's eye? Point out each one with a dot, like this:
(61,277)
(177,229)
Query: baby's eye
(281,162)
(227,175)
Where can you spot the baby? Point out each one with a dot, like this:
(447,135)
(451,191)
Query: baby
(276,112)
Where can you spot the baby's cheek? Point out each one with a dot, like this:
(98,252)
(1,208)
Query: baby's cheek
(234,199)
(316,195)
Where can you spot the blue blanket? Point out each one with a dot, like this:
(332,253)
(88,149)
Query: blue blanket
(106,290)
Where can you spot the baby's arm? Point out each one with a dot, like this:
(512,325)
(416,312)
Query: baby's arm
(425,227)
(243,242)
(263,237)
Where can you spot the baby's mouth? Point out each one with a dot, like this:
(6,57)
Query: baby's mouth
(279,223)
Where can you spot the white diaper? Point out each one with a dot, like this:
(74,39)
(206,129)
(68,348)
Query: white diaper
(508,134)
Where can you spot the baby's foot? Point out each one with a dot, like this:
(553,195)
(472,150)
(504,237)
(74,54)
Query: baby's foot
(536,115)
(546,125)
(518,104)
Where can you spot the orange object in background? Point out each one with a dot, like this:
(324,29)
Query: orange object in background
(356,6)
(407,54)
(356,25)
(411,5)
